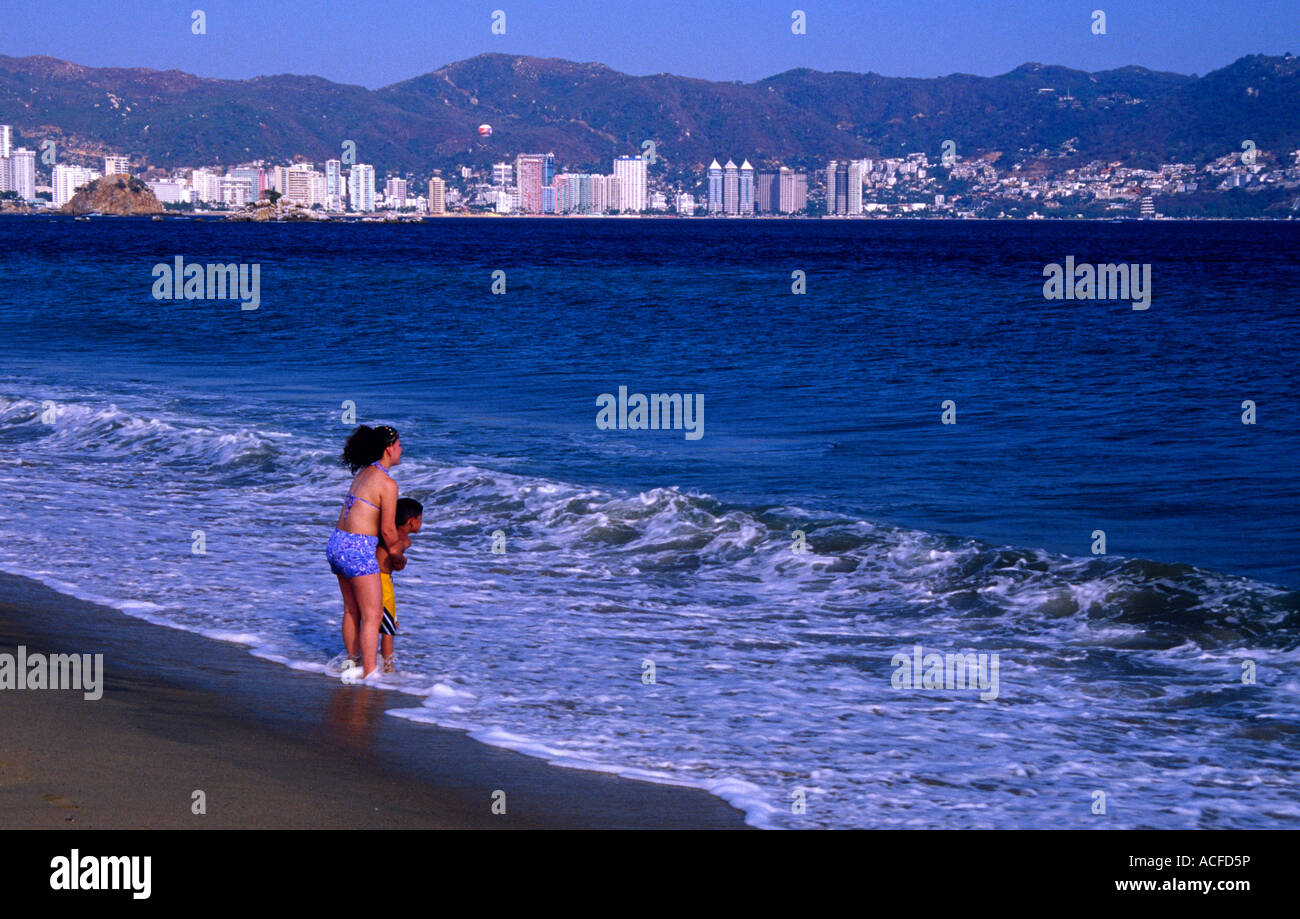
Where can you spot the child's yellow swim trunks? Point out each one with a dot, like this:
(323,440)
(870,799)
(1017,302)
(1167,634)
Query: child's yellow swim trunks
(389,625)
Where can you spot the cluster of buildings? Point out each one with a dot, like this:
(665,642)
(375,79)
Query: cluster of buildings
(1113,186)
(531,184)
(739,191)
(971,187)
(17,166)
(65,180)
(528,185)
(333,189)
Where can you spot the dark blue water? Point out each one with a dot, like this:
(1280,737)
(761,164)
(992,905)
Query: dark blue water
(128,423)
(1072,416)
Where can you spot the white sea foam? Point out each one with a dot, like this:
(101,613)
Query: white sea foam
(772,669)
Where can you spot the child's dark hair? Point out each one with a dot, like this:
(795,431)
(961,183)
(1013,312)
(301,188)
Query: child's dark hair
(408,509)
(366,445)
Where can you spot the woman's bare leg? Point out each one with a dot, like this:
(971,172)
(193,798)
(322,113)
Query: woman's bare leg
(370,598)
(351,617)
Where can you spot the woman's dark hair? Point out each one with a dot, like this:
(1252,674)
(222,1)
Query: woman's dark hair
(366,445)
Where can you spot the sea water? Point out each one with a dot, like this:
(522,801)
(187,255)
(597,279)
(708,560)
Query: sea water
(724,612)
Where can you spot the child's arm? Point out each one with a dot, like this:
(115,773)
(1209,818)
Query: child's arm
(398,561)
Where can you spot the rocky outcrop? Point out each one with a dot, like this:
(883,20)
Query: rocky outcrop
(278,211)
(115,195)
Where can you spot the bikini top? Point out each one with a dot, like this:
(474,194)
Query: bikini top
(352,499)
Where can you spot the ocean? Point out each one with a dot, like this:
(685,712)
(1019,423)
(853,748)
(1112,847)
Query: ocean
(741,611)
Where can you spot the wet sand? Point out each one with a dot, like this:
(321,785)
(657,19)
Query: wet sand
(267,746)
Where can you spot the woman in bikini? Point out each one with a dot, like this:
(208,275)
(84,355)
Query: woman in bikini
(368,511)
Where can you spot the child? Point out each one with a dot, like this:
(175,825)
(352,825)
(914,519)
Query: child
(409,519)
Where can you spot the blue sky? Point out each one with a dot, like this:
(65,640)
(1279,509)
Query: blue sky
(374,44)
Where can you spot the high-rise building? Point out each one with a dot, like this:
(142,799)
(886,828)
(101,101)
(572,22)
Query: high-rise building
(731,188)
(299,186)
(507,200)
(844,187)
(715,188)
(530,174)
(206,185)
(562,186)
(746,198)
(573,193)
(395,192)
(169,192)
(234,192)
(361,187)
(602,195)
(767,192)
(606,193)
(254,180)
(630,171)
(335,191)
(583,193)
(437,196)
(117,165)
(22,173)
(794,191)
(533,174)
(318,195)
(6,150)
(503,175)
(67,179)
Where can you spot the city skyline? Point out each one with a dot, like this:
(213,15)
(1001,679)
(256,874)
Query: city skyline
(592,112)
(850,167)
(531,185)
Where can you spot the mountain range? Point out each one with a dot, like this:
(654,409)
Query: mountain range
(586,113)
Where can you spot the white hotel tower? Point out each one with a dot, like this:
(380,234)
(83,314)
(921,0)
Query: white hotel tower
(335,191)
(361,187)
(631,175)
(67,179)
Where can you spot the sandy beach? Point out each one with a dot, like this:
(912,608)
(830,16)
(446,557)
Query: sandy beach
(267,746)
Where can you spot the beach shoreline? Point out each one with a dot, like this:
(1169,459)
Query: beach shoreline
(267,746)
